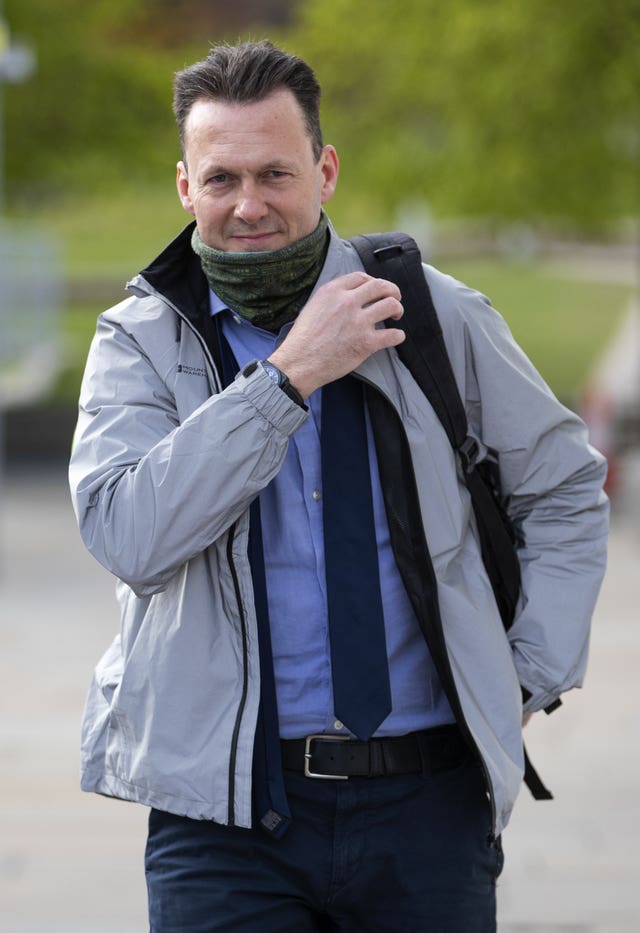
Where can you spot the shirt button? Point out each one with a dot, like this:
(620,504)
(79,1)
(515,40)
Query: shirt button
(316,495)
(338,725)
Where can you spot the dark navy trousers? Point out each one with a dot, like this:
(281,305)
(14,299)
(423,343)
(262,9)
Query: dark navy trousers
(374,855)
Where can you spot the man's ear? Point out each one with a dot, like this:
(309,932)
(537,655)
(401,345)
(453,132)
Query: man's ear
(330,167)
(182,184)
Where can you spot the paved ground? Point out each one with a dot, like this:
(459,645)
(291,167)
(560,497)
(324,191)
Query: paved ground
(72,863)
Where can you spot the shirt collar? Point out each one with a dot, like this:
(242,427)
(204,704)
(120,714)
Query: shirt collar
(216,304)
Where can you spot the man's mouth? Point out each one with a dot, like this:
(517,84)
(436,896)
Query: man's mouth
(253,234)
(253,239)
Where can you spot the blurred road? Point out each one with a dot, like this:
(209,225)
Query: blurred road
(72,862)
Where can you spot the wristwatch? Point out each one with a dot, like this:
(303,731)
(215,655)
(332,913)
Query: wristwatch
(278,378)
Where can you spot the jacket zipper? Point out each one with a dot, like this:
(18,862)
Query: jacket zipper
(440,656)
(245,681)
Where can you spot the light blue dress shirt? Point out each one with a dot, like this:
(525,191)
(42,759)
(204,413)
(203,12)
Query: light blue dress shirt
(293,540)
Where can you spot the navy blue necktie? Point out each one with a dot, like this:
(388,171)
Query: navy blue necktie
(362,695)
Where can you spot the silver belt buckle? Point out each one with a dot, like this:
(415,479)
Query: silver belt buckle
(307,756)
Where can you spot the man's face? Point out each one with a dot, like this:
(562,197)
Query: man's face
(250,178)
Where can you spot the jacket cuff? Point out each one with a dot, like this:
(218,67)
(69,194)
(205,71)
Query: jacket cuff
(270,401)
(551,707)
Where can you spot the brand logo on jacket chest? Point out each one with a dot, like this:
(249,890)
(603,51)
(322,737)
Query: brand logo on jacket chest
(191,370)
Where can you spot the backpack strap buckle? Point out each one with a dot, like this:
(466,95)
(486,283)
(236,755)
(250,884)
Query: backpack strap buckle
(468,452)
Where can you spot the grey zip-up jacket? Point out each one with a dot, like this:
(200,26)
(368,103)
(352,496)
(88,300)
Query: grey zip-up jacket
(165,466)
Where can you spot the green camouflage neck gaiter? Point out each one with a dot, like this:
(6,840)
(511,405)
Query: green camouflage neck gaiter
(268,287)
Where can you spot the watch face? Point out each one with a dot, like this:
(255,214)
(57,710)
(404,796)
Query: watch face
(272,371)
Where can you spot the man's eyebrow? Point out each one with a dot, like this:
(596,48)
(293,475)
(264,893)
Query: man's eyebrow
(214,169)
(218,168)
(280,165)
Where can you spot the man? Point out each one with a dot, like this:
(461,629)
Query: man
(305,773)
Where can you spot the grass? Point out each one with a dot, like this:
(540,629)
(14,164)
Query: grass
(109,238)
(561,323)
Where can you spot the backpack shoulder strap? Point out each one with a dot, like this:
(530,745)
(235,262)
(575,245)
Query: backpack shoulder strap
(395,256)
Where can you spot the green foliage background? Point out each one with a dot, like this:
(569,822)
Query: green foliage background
(505,110)
(496,108)
(97,114)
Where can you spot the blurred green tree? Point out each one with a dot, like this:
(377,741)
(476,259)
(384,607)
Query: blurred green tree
(517,111)
(97,115)
(98,111)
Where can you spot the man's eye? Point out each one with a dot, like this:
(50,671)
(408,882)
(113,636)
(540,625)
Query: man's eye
(220,179)
(274,173)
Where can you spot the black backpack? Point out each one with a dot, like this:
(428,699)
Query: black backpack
(396,257)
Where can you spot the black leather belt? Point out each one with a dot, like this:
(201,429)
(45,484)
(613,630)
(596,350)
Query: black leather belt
(337,757)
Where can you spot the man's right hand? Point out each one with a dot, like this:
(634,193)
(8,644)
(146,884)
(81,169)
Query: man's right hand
(337,330)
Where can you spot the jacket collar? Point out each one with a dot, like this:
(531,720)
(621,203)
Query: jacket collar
(177,276)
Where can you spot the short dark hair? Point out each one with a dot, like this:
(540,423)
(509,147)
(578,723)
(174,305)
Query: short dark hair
(243,74)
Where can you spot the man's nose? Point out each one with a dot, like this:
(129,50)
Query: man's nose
(250,205)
